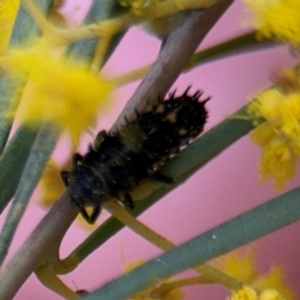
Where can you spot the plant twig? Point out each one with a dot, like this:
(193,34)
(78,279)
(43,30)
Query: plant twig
(208,272)
(44,239)
(47,276)
(237,45)
(41,150)
(193,26)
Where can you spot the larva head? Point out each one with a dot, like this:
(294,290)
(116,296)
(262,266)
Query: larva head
(85,190)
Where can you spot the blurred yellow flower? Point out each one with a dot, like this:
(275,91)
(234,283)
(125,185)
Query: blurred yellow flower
(277,19)
(241,264)
(246,293)
(278,157)
(238,264)
(58,91)
(279,136)
(274,283)
(149,294)
(50,184)
(270,295)
(8,12)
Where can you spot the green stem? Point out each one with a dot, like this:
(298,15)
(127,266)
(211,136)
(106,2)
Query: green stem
(161,242)
(13,161)
(240,44)
(35,165)
(260,221)
(86,49)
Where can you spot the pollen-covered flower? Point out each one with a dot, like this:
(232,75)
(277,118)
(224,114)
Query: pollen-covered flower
(277,19)
(241,264)
(278,157)
(273,284)
(246,293)
(8,12)
(269,294)
(62,92)
(238,264)
(279,136)
(51,185)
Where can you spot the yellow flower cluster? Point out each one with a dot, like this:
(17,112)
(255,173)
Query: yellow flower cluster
(248,293)
(277,19)
(58,91)
(51,185)
(279,136)
(241,264)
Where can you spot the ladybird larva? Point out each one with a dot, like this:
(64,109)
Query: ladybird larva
(117,162)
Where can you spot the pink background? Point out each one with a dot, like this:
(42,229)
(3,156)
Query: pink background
(224,188)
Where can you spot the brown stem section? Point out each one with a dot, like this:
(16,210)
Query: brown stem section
(44,239)
(177,49)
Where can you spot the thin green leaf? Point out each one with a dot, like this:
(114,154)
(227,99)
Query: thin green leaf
(35,165)
(260,221)
(13,161)
(237,45)
(25,28)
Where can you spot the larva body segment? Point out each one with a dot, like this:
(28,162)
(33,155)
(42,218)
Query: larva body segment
(119,162)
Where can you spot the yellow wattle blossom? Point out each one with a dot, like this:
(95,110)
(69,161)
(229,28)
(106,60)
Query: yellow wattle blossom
(270,295)
(278,157)
(274,283)
(149,294)
(58,91)
(8,13)
(277,19)
(51,185)
(238,264)
(279,136)
(241,264)
(248,293)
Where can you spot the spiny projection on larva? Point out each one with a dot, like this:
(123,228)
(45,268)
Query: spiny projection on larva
(117,162)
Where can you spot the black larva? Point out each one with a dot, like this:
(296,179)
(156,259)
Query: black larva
(118,162)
